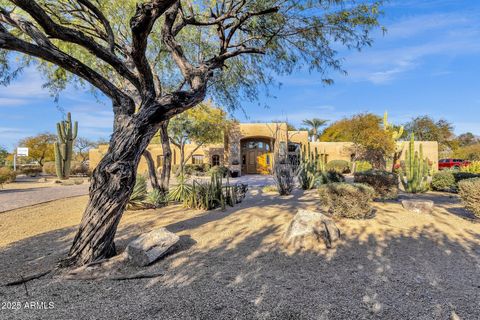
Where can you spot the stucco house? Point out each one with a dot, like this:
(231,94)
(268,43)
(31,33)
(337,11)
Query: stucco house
(249,147)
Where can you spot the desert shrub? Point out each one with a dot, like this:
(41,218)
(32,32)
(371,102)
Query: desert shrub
(79,168)
(218,170)
(332,177)
(49,167)
(156,198)
(361,166)
(67,183)
(139,194)
(347,200)
(469,191)
(473,167)
(269,188)
(459,176)
(340,166)
(444,181)
(7,175)
(31,171)
(384,183)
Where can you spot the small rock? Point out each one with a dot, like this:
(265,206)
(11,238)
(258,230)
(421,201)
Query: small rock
(418,206)
(308,228)
(42,180)
(149,247)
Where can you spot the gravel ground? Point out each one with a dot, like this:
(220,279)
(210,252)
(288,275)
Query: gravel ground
(230,265)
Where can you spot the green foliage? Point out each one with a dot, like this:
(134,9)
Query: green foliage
(315,124)
(221,171)
(3,156)
(340,166)
(347,200)
(139,194)
(469,191)
(361,166)
(426,129)
(66,134)
(40,147)
(384,183)
(181,191)
(414,176)
(332,177)
(156,198)
(444,181)
(7,175)
(473,167)
(192,169)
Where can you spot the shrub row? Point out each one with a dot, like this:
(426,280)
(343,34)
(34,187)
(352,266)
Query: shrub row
(447,180)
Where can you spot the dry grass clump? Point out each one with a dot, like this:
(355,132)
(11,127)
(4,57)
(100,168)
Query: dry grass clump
(347,200)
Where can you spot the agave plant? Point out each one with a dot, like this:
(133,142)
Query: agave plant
(139,194)
(181,191)
(156,198)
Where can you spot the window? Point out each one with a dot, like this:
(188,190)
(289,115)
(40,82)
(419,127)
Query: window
(260,145)
(267,146)
(197,159)
(215,160)
(244,160)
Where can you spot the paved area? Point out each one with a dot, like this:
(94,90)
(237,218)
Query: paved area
(22,197)
(26,193)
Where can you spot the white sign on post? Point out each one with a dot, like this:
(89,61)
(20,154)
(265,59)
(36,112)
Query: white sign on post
(22,152)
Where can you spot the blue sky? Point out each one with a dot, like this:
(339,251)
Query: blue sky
(427,63)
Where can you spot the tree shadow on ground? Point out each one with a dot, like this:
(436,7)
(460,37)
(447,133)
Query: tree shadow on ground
(242,271)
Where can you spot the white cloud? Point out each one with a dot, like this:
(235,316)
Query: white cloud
(392,56)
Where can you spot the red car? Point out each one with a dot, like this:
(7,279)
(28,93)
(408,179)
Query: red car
(452,163)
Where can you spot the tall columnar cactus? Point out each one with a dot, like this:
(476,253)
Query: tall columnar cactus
(414,176)
(311,168)
(396,134)
(64,146)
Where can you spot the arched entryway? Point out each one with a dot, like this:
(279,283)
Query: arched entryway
(251,149)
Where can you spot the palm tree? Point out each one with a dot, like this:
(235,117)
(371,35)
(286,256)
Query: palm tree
(314,125)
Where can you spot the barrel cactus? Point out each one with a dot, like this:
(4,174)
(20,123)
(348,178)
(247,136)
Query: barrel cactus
(67,133)
(414,175)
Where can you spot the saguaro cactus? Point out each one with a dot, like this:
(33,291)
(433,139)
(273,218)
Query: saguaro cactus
(414,176)
(64,146)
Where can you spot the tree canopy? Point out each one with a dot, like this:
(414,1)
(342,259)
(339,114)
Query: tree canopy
(427,129)
(119,48)
(314,124)
(370,141)
(40,147)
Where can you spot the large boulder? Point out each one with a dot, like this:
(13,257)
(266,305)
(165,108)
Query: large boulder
(149,247)
(309,228)
(418,206)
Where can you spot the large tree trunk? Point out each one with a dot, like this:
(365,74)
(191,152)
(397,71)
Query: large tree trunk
(167,157)
(110,189)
